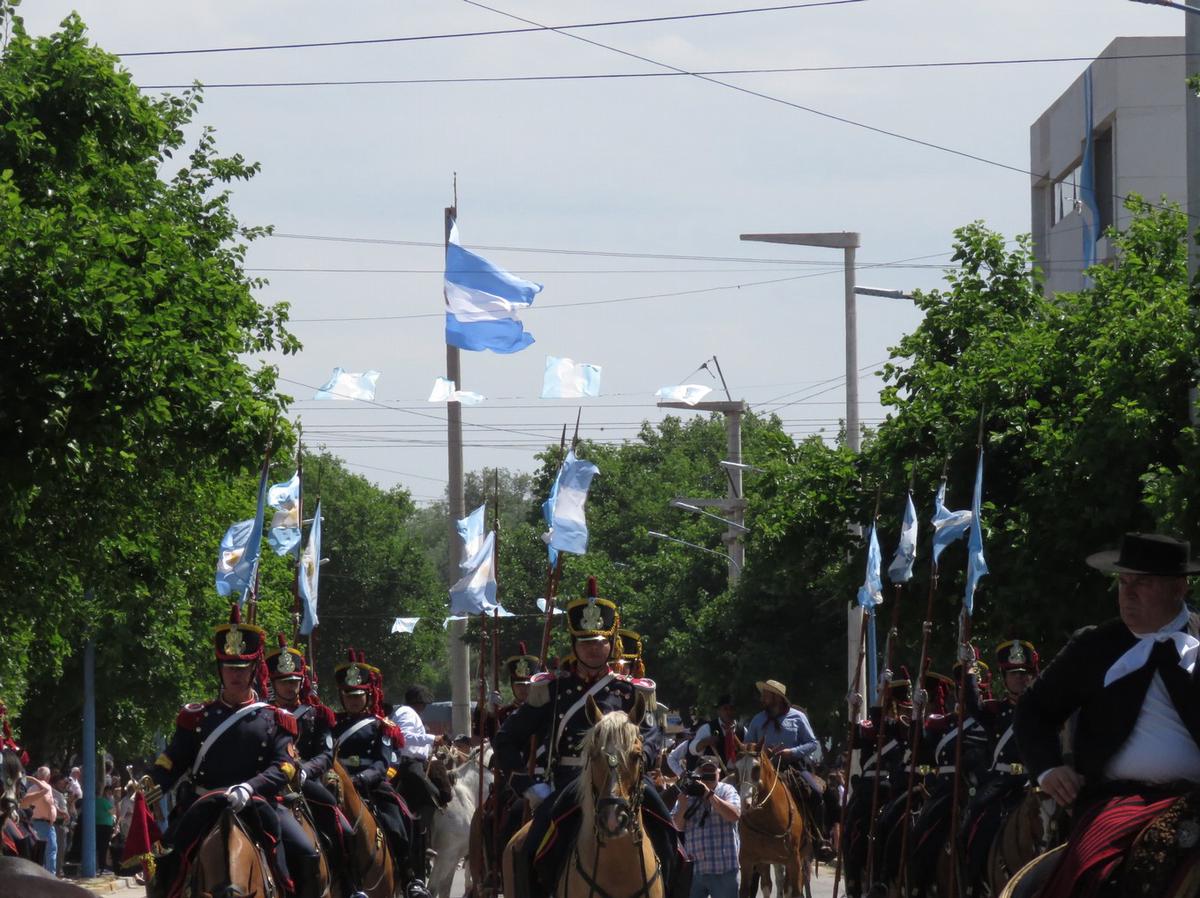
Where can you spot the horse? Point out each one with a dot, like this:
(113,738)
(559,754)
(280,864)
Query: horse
(1032,827)
(771,826)
(228,863)
(373,869)
(613,856)
(22,877)
(15,837)
(453,837)
(321,884)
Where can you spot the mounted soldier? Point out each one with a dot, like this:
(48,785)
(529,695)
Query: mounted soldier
(556,717)
(1134,780)
(628,653)
(1003,785)
(235,751)
(291,688)
(366,745)
(412,777)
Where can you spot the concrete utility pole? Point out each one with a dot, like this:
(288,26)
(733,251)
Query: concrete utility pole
(733,506)
(459,653)
(1191,46)
(848,242)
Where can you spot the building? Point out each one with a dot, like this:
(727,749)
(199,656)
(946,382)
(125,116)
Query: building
(1137,88)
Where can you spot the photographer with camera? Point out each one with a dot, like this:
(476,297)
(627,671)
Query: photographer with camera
(707,811)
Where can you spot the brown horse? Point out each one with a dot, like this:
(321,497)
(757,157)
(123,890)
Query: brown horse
(1034,826)
(321,885)
(612,856)
(771,827)
(372,867)
(228,864)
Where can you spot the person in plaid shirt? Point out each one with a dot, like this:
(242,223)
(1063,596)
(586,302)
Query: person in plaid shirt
(707,811)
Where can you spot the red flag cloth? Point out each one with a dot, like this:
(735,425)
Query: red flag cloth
(143,833)
(730,748)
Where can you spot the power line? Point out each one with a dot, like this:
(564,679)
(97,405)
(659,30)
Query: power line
(798,265)
(495,32)
(618,76)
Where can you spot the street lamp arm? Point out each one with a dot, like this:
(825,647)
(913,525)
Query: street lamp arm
(687,506)
(684,542)
(1191,9)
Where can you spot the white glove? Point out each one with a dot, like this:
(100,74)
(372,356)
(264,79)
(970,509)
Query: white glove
(537,793)
(303,776)
(239,795)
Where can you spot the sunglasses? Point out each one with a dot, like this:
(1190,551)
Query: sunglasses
(708,776)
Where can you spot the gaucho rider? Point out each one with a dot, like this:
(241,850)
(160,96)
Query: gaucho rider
(366,743)
(292,690)
(235,751)
(556,715)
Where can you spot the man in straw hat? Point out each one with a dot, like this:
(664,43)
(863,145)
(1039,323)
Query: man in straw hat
(1132,683)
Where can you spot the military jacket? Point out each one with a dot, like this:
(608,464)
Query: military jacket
(942,733)
(369,753)
(555,714)
(895,738)
(257,750)
(999,718)
(314,741)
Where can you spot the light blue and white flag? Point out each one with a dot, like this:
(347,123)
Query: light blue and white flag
(568,524)
(870,593)
(901,568)
(566,379)
(444,391)
(285,524)
(976,565)
(548,517)
(475,592)
(345,385)
(689,394)
(404,624)
(310,576)
(470,531)
(482,302)
(541,606)
(237,559)
(948,526)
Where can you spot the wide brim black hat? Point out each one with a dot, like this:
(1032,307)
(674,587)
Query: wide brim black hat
(1147,553)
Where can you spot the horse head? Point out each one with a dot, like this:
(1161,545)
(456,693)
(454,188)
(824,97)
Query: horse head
(748,770)
(611,787)
(12,772)
(441,776)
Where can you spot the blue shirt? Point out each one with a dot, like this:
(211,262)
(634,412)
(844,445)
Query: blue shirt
(710,840)
(792,733)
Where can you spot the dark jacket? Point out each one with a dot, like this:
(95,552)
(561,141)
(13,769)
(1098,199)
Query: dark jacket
(314,742)
(1074,681)
(369,753)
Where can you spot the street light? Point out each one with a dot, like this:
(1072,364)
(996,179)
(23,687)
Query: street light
(684,542)
(738,466)
(695,509)
(881,291)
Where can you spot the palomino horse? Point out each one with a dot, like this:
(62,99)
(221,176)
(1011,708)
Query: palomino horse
(771,826)
(612,857)
(372,868)
(1032,827)
(228,863)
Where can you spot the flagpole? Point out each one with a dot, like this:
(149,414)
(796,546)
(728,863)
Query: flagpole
(457,649)
(299,523)
(885,698)
(252,609)
(553,571)
(852,721)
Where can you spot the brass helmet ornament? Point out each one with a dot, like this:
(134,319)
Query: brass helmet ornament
(591,618)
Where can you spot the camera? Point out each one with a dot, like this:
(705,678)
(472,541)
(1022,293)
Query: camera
(693,787)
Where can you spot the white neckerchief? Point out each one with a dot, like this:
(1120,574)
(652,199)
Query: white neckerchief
(1135,659)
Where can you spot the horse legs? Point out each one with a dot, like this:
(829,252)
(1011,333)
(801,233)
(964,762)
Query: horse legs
(515,882)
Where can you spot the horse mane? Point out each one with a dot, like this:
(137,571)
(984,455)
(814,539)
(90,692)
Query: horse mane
(613,731)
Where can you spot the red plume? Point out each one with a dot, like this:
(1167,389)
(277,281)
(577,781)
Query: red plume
(235,614)
(282,641)
(593,588)
(350,655)
(521,648)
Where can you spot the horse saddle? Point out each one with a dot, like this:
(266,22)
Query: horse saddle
(1166,852)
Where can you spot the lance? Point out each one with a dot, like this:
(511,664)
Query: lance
(300,524)
(918,714)
(853,703)
(252,608)
(553,573)
(492,885)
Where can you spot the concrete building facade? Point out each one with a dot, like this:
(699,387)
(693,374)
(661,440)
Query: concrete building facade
(1138,90)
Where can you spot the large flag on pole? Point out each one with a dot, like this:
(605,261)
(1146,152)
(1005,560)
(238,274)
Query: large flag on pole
(470,531)
(976,565)
(238,556)
(870,593)
(475,592)
(285,525)
(901,568)
(568,524)
(948,526)
(310,576)
(482,302)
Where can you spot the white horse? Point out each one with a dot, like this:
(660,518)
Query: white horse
(452,824)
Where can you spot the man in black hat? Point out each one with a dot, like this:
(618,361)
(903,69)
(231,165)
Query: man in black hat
(292,691)
(717,738)
(556,716)
(1132,682)
(235,751)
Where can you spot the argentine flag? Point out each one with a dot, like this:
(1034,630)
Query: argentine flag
(482,302)
(568,525)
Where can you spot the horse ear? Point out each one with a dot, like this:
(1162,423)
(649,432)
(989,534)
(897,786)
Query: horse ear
(638,714)
(593,711)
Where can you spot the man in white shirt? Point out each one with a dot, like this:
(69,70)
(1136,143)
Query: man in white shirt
(419,793)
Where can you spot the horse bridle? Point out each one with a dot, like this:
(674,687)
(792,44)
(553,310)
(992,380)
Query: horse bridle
(787,830)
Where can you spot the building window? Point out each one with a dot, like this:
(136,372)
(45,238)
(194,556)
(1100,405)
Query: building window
(1105,186)
(1065,195)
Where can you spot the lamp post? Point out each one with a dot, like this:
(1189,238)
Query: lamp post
(695,509)
(684,542)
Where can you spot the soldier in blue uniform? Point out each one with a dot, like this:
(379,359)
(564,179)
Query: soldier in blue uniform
(292,692)
(235,751)
(1005,782)
(555,715)
(367,744)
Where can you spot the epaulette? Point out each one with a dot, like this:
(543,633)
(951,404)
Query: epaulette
(539,688)
(649,690)
(189,716)
(390,731)
(286,721)
(866,727)
(937,723)
(330,716)
(993,705)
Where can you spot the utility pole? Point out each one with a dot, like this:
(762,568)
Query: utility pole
(87,812)
(459,653)
(848,242)
(733,506)
(1191,46)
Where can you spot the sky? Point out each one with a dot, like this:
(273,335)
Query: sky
(605,189)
